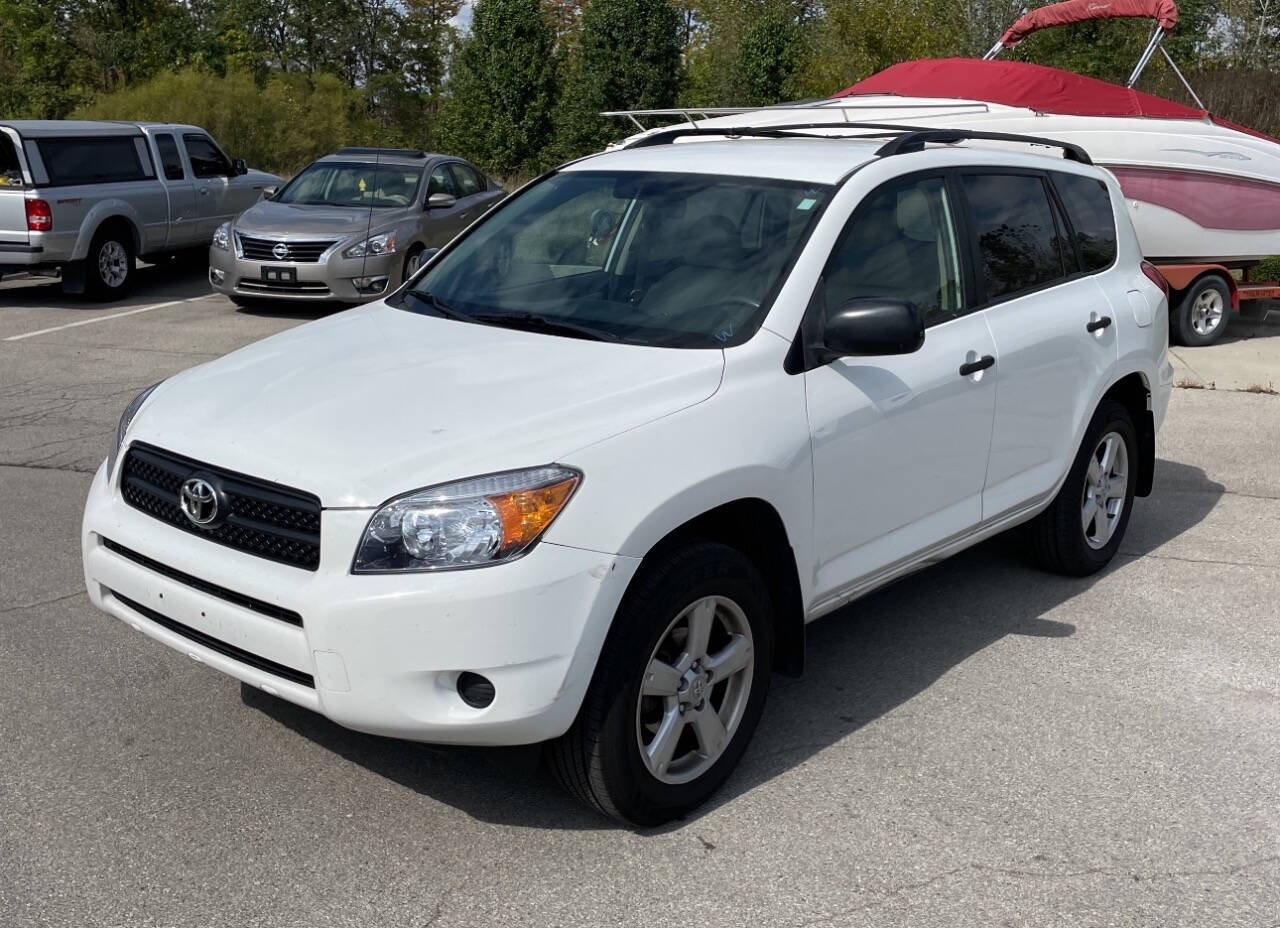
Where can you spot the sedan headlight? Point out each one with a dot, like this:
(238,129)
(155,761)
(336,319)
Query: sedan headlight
(471,523)
(222,237)
(122,426)
(384,244)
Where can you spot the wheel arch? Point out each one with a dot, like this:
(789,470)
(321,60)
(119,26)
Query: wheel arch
(754,527)
(105,215)
(1134,393)
(1183,277)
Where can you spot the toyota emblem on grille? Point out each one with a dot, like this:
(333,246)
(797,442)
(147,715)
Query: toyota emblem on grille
(199,500)
(281,250)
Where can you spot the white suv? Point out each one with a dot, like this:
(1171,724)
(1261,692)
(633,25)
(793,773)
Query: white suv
(587,476)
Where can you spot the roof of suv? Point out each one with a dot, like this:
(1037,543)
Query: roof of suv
(819,161)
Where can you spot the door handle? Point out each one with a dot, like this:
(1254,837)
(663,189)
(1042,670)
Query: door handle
(204,191)
(1098,324)
(972,367)
(463,216)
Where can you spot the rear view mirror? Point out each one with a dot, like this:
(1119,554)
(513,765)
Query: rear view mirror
(238,167)
(871,326)
(441,200)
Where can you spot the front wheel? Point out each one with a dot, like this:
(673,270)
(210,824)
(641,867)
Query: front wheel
(1082,529)
(1201,316)
(412,261)
(678,690)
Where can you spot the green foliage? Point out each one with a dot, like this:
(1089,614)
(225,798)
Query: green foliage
(772,51)
(498,111)
(627,57)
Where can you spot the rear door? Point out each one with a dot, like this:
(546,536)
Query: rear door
(184,220)
(13,210)
(215,203)
(1041,308)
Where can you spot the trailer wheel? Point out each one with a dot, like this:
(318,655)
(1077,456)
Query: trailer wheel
(1201,317)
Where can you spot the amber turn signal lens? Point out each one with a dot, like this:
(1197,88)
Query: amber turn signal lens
(526,514)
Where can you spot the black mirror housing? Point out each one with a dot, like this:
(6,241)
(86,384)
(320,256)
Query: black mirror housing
(870,326)
(239,167)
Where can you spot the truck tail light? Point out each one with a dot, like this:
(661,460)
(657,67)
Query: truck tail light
(39,216)
(1154,275)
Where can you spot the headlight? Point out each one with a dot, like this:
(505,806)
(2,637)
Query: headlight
(471,523)
(384,244)
(222,237)
(122,426)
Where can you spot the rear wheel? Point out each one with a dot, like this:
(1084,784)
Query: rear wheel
(110,265)
(678,690)
(1201,317)
(1082,529)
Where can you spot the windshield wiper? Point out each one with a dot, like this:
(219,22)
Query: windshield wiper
(439,305)
(532,322)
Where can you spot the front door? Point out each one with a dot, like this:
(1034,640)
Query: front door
(900,442)
(443,222)
(211,169)
(184,220)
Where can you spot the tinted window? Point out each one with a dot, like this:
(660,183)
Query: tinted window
(91,161)
(342,183)
(442,182)
(206,160)
(900,245)
(1088,204)
(170,158)
(10,171)
(468,181)
(1017,235)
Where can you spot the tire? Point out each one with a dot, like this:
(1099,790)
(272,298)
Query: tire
(1201,316)
(599,760)
(411,263)
(1064,538)
(110,266)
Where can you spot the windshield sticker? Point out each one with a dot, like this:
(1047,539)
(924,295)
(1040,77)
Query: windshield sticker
(806,203)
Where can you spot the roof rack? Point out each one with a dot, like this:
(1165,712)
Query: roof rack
(905,138)
(825,104)
(400,152)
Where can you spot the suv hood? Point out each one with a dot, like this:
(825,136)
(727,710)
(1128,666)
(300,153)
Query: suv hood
(374,402)
(268,219)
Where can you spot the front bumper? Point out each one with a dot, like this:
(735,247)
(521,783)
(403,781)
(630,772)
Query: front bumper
(331,279)
(379,653)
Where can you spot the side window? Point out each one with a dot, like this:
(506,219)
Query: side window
(206,159)
(442,182)
(1088,204)
(1018,238)
(900,245)
(169,157)
(91,161)
(468,181)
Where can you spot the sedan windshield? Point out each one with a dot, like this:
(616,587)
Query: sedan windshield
(675,260)
(330,183)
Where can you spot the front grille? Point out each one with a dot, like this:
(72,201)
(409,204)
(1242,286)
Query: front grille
(263,249)
(263,519)
(216,644)
(306,287)
(204,586)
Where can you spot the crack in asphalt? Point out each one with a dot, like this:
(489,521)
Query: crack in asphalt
(42,602)
(1198,560)
(19,465)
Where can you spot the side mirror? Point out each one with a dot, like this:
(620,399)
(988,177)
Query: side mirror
(269,193)
(871,326)
(238,167)
(441,200)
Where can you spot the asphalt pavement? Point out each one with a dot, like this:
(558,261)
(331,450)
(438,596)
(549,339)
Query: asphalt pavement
(978,745)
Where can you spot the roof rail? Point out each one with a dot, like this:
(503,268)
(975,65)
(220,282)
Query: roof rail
(401,152)
(905,138)
(916,140)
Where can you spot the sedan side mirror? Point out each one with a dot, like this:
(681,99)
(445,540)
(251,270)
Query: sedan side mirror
(238,167)
(441,200)
(871,326)
(269,193)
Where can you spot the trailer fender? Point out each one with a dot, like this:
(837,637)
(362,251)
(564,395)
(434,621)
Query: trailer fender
(1182,276)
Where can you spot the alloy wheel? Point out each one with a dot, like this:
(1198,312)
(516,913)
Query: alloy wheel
(1106,486)
(113,264)
(1207,311)
(695,690)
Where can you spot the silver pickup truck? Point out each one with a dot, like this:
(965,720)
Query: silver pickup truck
(86,199)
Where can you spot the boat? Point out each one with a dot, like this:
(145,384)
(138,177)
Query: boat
(1199,188)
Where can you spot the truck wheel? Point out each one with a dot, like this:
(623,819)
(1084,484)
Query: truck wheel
(1201,317)
(678,689)
(1082,529)
(110,264)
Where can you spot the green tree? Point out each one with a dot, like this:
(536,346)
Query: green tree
(627,57)
(498,106)
(772,50)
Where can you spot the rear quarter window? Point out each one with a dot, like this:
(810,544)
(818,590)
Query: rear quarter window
(92,161)
(1093,224)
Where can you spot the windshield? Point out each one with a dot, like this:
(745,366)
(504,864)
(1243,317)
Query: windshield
(334,183)
(675,260)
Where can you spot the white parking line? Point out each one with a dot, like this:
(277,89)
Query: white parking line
(127,312)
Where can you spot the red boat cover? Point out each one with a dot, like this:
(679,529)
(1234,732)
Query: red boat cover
(1165,12)
(1016,83)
